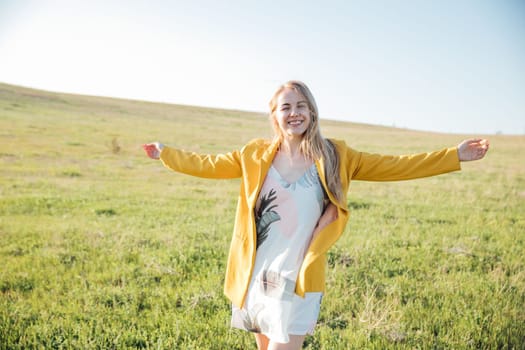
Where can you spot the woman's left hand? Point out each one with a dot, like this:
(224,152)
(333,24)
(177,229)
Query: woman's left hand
(472,149)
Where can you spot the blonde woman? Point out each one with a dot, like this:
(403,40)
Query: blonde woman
(292,209)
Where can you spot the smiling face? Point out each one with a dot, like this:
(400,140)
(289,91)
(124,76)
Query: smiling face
(292,114)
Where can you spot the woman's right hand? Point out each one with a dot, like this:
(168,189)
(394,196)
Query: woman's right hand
(153,149)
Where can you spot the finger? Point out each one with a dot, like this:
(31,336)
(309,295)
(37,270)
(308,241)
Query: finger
(481,153)
(483,145)
(477,142)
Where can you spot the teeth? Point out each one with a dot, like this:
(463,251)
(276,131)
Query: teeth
(295,122)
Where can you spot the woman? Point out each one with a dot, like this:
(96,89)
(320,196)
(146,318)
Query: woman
(292,209)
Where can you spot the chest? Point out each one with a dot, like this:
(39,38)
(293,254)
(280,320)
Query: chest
(291,170)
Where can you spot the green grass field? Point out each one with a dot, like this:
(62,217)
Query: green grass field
(103,248)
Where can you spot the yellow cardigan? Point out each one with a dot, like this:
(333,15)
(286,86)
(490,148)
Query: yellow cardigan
(251,164)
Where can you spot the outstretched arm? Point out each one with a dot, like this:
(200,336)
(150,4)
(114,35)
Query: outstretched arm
(472,149)
(377,167)
(220,166)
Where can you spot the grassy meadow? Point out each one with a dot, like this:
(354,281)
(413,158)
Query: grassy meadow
(103,248)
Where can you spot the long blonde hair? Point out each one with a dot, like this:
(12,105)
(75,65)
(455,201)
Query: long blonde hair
(313,145)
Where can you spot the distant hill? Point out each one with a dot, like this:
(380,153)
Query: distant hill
(193,125)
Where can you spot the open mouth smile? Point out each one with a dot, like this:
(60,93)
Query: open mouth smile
(295,122)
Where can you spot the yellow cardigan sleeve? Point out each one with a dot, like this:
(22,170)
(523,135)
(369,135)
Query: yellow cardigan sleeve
(220,166)
(375,167)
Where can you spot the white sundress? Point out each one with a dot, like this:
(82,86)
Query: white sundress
(286,215)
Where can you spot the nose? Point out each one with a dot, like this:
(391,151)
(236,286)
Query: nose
(294,112)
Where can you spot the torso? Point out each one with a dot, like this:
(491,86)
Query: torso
(286,214)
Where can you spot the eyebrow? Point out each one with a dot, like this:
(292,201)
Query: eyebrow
(288,104)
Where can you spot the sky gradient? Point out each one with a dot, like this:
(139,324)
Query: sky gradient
(445,66)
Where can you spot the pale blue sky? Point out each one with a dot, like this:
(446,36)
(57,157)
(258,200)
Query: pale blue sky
(450,66)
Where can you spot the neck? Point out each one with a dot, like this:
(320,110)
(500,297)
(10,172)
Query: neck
(291,147)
